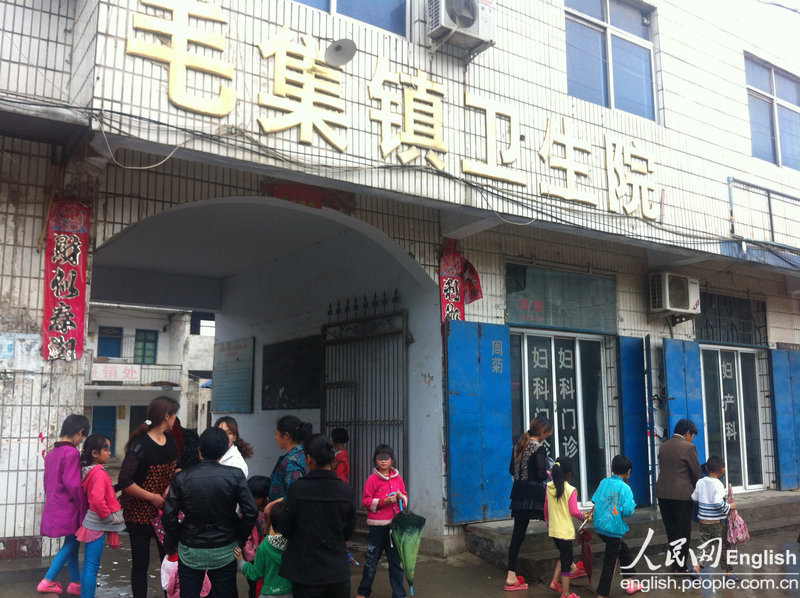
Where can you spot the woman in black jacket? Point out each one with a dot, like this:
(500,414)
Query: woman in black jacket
(208,494)
(318,519)
(529,469)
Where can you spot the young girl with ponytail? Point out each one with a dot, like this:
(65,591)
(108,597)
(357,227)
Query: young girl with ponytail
(561,504)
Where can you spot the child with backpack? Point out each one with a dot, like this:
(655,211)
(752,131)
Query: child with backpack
(268,557)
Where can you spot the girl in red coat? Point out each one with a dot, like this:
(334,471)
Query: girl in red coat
(384,492)
(104,517)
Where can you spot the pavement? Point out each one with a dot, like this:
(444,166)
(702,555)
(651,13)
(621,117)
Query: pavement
(466,576)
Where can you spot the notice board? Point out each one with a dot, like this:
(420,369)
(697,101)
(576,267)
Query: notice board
(232,385)
(292,374)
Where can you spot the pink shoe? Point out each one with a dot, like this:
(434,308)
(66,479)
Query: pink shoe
(74,588)
(579,570)
(48,587)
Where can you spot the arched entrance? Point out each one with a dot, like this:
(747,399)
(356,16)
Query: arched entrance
(275,271)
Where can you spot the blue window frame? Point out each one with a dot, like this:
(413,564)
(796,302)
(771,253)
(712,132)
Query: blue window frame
(610,55)
(109,341)
(773,100)
(386,14)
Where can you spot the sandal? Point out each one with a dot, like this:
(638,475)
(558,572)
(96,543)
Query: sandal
(554,585)
(518,585)
(579,571)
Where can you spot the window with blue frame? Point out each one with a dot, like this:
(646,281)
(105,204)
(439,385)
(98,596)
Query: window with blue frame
(773,98)
(109,341)
(145,347)
(610,55)
(386,14)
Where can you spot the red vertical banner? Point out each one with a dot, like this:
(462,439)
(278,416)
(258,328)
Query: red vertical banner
(65,280)
(451,294)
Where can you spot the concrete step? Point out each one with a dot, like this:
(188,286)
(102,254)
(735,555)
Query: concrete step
(763,512)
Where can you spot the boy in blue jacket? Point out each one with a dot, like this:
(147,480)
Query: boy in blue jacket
(613,501)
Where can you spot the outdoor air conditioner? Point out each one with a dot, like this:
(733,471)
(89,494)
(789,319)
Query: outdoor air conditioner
(463,23)
(674,293)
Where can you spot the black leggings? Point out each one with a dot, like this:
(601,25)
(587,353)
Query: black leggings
(140,536)
(521,522)
(564,555)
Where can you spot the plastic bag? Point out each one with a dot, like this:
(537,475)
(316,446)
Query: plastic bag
(737,528)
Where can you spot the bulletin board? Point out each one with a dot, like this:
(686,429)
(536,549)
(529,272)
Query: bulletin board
(232,379)
(292,374)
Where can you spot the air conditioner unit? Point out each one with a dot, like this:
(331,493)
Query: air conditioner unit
(674,293)
(464,23)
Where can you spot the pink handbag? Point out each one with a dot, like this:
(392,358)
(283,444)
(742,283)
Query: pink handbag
(737,528)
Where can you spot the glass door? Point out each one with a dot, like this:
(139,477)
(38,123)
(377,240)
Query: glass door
(561,378)
(732,418)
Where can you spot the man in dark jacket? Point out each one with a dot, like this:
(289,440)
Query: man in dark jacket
(318,519)
(678,472)
(208,494)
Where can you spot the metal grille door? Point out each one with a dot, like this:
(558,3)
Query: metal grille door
(365,388)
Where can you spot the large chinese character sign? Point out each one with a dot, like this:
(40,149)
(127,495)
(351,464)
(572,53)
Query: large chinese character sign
(65,280)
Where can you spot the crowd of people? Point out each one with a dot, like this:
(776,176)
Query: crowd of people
(541,490)
(287,533)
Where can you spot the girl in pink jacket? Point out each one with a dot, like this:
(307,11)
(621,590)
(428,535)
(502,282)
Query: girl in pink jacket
(103,520)
(384,493)
(64,503)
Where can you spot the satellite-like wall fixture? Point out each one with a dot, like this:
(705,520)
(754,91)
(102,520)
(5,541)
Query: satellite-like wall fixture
(340,52)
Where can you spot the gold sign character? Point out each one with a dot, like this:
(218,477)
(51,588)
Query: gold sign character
(419,121)
(508,155)
(628,171)
(305,88)
(566,163)
(177,55)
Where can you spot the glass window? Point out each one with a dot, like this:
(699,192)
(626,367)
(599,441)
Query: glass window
(774,116)
(633,88)
(787,89)
(593,8)
(145,347)
(617,50)
(731,320)
(630,19)
(386,14)
(789,134)
(762,138)
(560,299)
(586,63)
(758,75)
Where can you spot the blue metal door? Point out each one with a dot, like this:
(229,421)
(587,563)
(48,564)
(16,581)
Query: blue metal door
(684,388)
(104,421)
(785,373)
(478,421)
(633,415)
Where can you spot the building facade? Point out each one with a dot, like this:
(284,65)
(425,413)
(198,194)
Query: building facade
(623,177)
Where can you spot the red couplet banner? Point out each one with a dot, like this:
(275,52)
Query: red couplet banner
(65,280)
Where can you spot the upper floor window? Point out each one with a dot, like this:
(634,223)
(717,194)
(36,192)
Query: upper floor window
(386,14)
(610,55)
(145,346)
(109,341)
(774,101)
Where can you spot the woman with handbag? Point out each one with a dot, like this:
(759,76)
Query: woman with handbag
(529,469)
(144,476)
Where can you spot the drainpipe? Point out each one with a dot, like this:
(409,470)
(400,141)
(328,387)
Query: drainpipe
(730,203)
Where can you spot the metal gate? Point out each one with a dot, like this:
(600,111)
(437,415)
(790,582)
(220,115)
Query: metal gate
(365,388)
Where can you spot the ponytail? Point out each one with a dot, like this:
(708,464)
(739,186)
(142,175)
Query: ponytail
(299,431)
(157,411)
(562,468)
(540,425)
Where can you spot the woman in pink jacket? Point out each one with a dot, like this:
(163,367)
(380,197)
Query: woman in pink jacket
(64,503)
(384,493)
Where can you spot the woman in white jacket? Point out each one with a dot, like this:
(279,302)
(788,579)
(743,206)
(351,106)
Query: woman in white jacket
(238,449)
